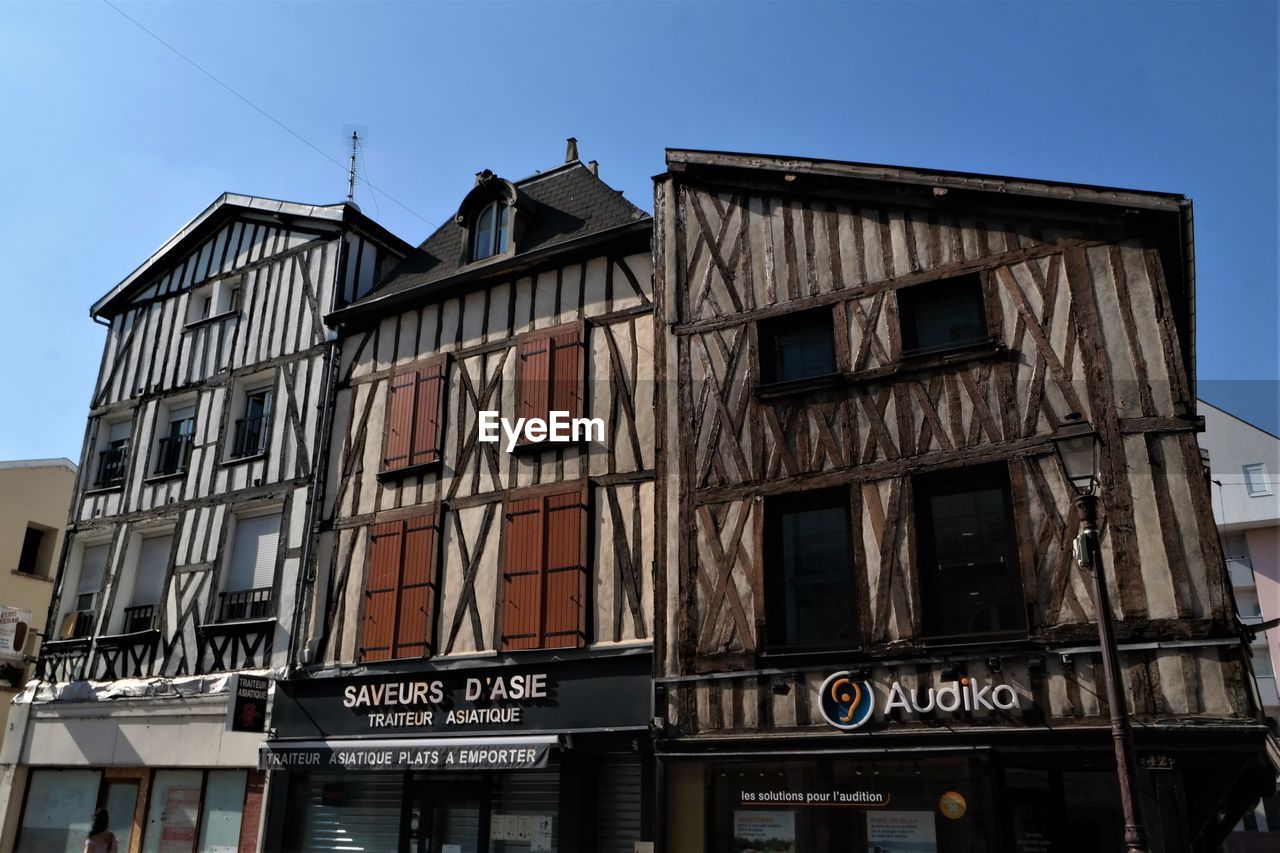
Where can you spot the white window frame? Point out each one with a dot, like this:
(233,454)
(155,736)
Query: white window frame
(1263,481)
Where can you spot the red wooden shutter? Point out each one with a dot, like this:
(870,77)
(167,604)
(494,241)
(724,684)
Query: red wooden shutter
(415,619)
(381,586)
(397,442)
(522,574)
(429,408)
(533,378)
(567,359)
(565,574)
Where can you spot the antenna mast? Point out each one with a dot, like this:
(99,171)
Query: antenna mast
(351,171)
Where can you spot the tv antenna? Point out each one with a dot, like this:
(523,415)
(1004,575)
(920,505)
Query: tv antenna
(351,169)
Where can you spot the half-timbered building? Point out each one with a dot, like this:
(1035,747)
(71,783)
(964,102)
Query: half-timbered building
(189,524)
(872,633)
(480,655)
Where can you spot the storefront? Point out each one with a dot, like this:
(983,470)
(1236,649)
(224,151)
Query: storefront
(550,755)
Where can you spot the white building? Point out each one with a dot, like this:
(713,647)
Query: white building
(189,530)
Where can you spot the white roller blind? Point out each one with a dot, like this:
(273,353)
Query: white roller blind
(119,430)
(253,556)
(153,560)
(182,414)
(93,565)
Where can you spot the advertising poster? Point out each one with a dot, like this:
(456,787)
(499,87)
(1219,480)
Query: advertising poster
(181,810)
(14,624)
(901,832)
(764,832)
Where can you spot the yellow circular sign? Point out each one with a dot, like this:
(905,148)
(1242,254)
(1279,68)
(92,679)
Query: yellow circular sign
(952,805)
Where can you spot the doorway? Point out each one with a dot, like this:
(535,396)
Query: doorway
(449,815)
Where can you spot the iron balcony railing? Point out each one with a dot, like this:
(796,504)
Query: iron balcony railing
(81,627)
(245,604)
(174,453)
(250,436)
(111,466)
(139,618)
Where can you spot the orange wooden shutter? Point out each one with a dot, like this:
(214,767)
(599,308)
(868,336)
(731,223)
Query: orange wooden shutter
(429,408)
(381,586)
(533,378)
(397,441)
(415,619)
(566,373)
(565,575)
(522,574)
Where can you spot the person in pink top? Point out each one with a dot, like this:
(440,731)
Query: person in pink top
(101,839)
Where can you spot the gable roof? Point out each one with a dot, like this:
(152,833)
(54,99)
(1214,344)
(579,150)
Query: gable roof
(560,207)
(223,208)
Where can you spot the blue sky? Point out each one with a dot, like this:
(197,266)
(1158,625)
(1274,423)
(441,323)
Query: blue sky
(111,142)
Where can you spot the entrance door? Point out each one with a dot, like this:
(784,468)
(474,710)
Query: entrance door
(120,799)
(449,816)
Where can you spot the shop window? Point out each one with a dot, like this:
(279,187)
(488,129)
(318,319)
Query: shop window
(797,346)
(401,589)
(415,417)
(810,572)
(37,547)
(1256,480)
(967,563)
(252,428)
(544,577)
(942,315)
(59,809)
(550,371)
(247,591)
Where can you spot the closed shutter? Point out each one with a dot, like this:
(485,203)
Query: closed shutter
(522,575)
(119,431)
(428,407)
(533,377)
(345,811)
(566,373)
(415,415)
(382,584)
(544,571)
(550,376)
(401,589)
(397,441)
(93,565)
(153,561)
(619,804)
(253,554)
(565,571)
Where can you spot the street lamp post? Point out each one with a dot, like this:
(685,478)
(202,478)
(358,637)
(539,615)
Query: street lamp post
(1077,446)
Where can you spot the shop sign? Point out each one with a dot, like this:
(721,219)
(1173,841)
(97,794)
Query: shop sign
(14,625)
(558,696)
(848,703)
(247,711)
(433,755)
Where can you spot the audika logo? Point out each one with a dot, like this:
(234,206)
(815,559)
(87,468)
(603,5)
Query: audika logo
(846,704)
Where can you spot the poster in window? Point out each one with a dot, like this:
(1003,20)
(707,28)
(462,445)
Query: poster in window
(901,832)
(181,809)
(764,832)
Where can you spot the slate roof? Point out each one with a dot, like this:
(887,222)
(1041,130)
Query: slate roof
(560,205)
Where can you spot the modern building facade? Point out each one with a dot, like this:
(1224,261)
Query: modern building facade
(1244,462)
(188,529)
(873,634)
(478,673)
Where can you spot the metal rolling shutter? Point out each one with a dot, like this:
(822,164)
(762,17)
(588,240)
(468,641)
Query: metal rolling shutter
(351,812)
(153,564)
(619,804)
(253,554)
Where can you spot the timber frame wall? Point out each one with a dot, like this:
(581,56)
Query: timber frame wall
(1088,294)
(290,262)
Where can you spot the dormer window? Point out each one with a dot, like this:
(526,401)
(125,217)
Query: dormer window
(489,232)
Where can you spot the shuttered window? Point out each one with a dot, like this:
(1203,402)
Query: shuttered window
(415,414)
(401,589)
(153,562)
(545,571)
(550,377)
(253,553)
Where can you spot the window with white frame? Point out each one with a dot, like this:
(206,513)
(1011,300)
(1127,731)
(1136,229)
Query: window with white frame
(177,432)
(148,583)
(114,439)
(215,299)
(1256,481)
(489,231)
(251,430)
(78,619)
(251,571)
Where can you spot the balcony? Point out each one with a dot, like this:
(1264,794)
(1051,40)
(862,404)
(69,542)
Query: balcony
(174,453)
(111,467)
(245,604)
(139,618)
(250,437)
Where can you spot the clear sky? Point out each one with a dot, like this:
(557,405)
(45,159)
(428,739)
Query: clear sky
(111,142)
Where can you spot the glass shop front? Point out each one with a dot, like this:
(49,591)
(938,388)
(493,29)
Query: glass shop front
(510,759)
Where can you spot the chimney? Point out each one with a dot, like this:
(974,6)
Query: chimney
(594,167)
(571,150)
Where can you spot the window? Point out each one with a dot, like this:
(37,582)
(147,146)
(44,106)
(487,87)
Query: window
(148,583)
(810,600)
(251,430)
(113,459)
(215,299)
(401,589)
(415,417)
(1263,667)
(78,622)
(544,576)
(252,571)
(29,562)
(942,315)
(550,374)
(1256,480)
(489,231)
(797,346)
(173,451)
(966,553)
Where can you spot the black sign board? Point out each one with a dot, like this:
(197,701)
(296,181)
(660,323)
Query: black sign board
(610,693)
(248,709)
(433,754)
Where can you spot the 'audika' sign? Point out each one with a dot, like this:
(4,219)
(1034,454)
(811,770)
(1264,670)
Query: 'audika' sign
(848,703)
